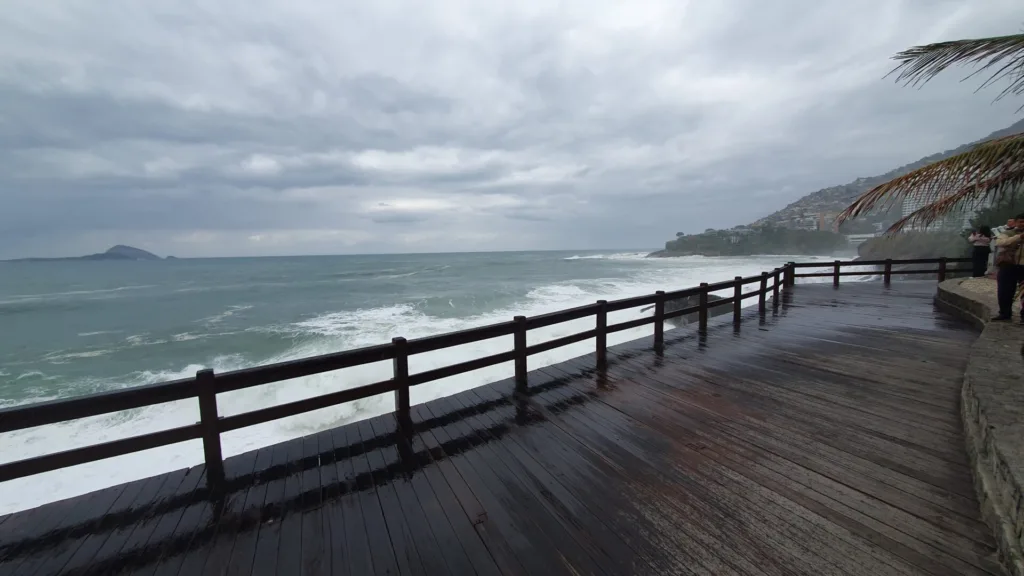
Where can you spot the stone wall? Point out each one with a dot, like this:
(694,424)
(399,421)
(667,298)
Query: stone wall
(992,409)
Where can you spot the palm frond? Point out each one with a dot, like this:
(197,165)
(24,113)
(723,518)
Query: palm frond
(995,189)
(1002,55)
(983,171)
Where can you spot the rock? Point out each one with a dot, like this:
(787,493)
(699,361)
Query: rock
(119,252)
(693,317)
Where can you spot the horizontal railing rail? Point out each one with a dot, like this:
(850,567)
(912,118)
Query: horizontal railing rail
(206,384)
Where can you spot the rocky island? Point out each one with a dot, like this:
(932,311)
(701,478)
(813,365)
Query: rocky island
(119,252)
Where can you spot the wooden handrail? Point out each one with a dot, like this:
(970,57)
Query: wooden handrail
(54,411)
(207,385)
(879,262)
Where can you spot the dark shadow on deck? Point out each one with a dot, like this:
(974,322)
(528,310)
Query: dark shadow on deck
(822,439)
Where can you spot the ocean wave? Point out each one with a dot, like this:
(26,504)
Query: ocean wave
(136,340)
(231,311)
(96,333)
(620,256)
(63,357)
(15,298)
(34,374)
(393,276)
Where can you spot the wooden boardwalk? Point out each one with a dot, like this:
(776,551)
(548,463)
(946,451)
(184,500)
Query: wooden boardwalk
(824,440)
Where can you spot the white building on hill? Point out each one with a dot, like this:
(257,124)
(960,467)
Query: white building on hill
(953,223)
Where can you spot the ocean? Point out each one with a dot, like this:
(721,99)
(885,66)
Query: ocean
(69,328)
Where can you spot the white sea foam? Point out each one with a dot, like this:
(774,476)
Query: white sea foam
(231,311)
(23,297)
(330,333)
(58,357)
(620,256)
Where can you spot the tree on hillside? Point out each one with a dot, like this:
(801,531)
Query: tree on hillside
(991,171)
(998,213)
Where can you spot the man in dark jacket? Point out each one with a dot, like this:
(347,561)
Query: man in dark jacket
(1010,272)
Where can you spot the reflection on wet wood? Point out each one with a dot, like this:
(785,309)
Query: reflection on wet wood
(822,439)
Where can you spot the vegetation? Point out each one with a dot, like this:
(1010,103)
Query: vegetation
(989,171)
(749,241)
(915,245)
(939,244)
(999,213)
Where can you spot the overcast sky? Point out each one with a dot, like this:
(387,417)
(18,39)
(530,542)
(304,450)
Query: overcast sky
(328,127)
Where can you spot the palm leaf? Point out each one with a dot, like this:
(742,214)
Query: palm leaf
(1003,56)
(999,187)
(989,169)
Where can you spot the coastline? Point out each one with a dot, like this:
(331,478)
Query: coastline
(670,254)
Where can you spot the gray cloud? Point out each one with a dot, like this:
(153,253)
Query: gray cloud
(276,127)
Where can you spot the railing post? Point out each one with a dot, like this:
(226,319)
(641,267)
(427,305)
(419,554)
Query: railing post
(887,277)
(775,289)
(835,274)
(520,348)
(790,274)
(762,294)
(601,336)
(400,365)
(737,300)
(659,320)
(703,312)
(206,388)
(942,269)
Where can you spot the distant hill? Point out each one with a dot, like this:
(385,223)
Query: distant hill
(830,201)
(119,252)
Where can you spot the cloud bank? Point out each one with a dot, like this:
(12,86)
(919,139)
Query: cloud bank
(313,127)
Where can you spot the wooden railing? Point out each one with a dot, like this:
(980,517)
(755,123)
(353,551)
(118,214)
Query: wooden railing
(206,384)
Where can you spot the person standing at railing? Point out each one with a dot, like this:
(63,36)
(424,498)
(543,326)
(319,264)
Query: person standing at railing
(981,240)
(1011,266)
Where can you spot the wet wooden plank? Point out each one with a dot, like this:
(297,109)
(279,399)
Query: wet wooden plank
(116,535)
(30,530)
(422,504)
(386,458)
(746,538)
(870,508)
(708,401)
(628,453)
(531,550)
(578,552)
(210,551)
(289,554)
(759,406)
(196,519)
(124,545)
(848,430)
(535,444)
(588,529)
(381,542)
(687,547)
(315,559)
(264,560)
(134,495)
(399,526)
(51,560)
(487,551)
(146,545)
(349,549)
(243,544)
